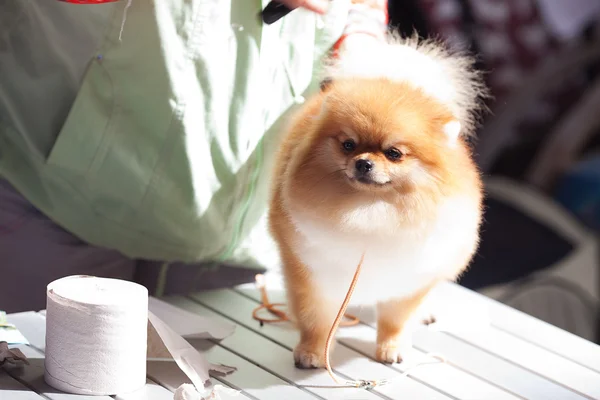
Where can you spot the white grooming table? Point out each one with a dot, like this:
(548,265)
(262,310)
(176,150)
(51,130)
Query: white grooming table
(510,356)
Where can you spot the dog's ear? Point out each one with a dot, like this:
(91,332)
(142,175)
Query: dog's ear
(325,84)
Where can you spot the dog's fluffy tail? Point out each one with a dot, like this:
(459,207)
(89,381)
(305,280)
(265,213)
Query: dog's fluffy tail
(426,64)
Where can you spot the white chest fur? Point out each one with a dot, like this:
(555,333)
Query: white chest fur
(398,262)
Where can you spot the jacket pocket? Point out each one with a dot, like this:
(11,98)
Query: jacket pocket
(87,123)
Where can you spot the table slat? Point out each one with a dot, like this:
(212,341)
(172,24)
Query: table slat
(533,358)
(11,389)
(150,391)
(487,363)
(536,332)
(170,377)
(33,376)
(253,380)
(483,364)
(34,373)
(346,362)
(33,326)
(458,383)
(490,367)
(276,359)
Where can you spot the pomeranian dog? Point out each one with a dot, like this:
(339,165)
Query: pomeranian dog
(377,164)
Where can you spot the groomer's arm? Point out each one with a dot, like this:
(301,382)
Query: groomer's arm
(318,6)
(367,21)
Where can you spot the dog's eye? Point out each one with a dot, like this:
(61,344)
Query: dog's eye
(349,145)
(393,154)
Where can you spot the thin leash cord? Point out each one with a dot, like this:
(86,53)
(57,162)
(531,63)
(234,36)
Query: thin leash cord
(282,316)
(338,318)
(124,19)
(279,315)
(361,383)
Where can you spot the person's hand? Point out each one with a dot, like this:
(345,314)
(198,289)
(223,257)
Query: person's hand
(318,6)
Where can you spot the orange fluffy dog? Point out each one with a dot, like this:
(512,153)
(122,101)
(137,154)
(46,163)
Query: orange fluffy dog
(377,164)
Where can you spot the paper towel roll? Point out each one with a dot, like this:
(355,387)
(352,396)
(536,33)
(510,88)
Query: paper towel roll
(96,335)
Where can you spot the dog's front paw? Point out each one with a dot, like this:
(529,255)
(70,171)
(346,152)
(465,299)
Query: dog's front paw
(307,357)
(390,352)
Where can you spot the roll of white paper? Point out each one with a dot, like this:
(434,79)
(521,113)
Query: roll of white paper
(96,335)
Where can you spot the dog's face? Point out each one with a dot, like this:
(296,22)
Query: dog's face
(378,136)
(371,163)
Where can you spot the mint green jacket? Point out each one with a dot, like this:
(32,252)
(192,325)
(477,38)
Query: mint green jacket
(152,129)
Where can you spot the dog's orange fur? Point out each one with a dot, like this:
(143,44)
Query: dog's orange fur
(381,113)
(391,319)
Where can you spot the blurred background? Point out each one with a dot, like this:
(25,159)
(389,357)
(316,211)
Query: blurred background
(539,148)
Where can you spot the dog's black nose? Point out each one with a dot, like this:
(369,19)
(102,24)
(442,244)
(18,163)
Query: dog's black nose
(364,166)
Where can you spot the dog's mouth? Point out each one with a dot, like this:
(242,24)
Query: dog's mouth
(365,180)
(368,180)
